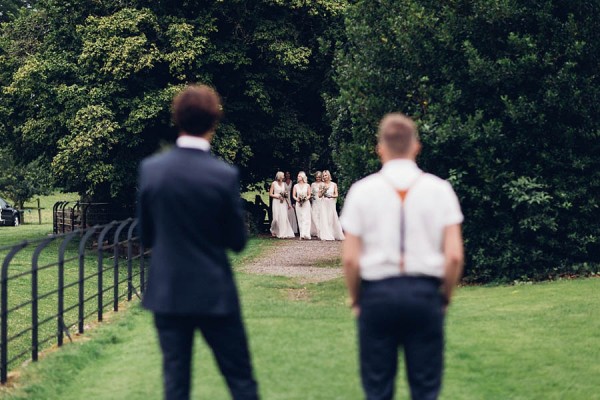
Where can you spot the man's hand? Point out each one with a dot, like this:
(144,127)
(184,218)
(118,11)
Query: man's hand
(350,258)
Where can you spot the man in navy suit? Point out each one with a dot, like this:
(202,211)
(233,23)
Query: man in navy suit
(190,213)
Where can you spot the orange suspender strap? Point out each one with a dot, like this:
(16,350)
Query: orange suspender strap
(402,193)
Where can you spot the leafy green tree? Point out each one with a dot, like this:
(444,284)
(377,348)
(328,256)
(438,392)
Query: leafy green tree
(507,96)
(20,183)
(87,85)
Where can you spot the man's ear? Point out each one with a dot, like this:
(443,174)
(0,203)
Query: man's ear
(378,149)
(417,148)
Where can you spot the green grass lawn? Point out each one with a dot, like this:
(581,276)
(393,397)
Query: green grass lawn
(19,289)
(537,341)
(30,228)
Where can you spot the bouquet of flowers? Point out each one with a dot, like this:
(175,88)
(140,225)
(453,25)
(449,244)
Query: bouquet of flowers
(283,196)
(301,199)
(323,191)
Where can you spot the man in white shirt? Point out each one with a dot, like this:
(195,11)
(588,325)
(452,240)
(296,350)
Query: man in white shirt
(403,256)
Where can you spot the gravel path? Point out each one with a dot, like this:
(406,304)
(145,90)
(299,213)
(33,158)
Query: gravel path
(309,260)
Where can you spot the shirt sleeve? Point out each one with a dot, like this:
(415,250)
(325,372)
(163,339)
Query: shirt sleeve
(351,214)
(452,212)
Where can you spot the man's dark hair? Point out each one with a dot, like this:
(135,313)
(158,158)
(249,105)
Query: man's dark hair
(197,110)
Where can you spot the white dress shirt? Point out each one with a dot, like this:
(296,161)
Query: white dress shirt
(372,212)
(193,142)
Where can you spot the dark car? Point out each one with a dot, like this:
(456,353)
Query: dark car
(10,216)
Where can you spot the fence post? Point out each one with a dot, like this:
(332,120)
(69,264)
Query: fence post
(129,259)
(34,296)
(64,205)
(116,263)
(60,321)
(55,216)
(103,233)
(84,240)
(4,311)
(39,212)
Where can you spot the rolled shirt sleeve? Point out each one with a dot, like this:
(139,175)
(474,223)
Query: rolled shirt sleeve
(351,219)
(452,212)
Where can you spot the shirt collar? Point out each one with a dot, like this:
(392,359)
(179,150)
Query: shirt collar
(400,163)
(400,172)
(193,142)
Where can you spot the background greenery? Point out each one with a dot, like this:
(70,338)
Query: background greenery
(102,75)
(506,94)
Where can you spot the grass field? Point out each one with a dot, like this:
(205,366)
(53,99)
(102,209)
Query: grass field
(19,289)
(537,341)
(31,229)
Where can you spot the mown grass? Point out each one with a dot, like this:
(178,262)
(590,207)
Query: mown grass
(31,229)
(537,341)
(19,288)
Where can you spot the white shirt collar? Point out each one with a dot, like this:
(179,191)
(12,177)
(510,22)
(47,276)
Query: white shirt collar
(193,142)
(400,172)
(400,163)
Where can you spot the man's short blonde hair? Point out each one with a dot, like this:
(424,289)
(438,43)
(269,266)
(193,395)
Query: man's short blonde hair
(397,132)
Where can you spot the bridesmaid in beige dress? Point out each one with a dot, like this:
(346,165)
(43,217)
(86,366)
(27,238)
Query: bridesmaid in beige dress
(280,225)
(316,203)
(287,180)
(329,223)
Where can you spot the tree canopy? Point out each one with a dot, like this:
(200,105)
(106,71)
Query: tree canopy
(88,84)
(507,96)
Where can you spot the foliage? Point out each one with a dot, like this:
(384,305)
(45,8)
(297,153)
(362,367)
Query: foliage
(9,8)
(87,85)
(21,182)
(507,96)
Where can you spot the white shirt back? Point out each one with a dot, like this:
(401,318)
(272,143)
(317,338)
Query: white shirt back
(372,212)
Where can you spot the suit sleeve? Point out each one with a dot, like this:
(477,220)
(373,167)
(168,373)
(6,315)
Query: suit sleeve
(145,222)
(235,229)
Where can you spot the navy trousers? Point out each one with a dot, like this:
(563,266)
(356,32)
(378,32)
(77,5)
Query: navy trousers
(402,312)
(227,339)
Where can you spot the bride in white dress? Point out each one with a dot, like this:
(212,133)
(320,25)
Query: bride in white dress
(316,204)
(301,194)
(280,225)
(329,224)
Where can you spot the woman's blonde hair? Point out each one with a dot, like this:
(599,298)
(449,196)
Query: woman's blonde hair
(278,175)
(302,175)
(318,173)
(327,172)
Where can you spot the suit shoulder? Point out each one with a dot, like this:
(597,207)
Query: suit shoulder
(155,159)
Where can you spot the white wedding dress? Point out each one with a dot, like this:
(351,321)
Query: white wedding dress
(329,224)
(303,211)
(290,211)
(280,225)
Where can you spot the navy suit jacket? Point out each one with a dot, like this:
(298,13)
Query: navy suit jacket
(190,213)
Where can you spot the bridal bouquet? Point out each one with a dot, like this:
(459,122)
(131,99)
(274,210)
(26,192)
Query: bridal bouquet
(283,196)
(302,199)
(323,191)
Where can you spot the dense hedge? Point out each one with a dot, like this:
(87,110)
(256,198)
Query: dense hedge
(507,96)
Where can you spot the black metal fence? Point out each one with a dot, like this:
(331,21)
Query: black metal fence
(51,286)
(68,216)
